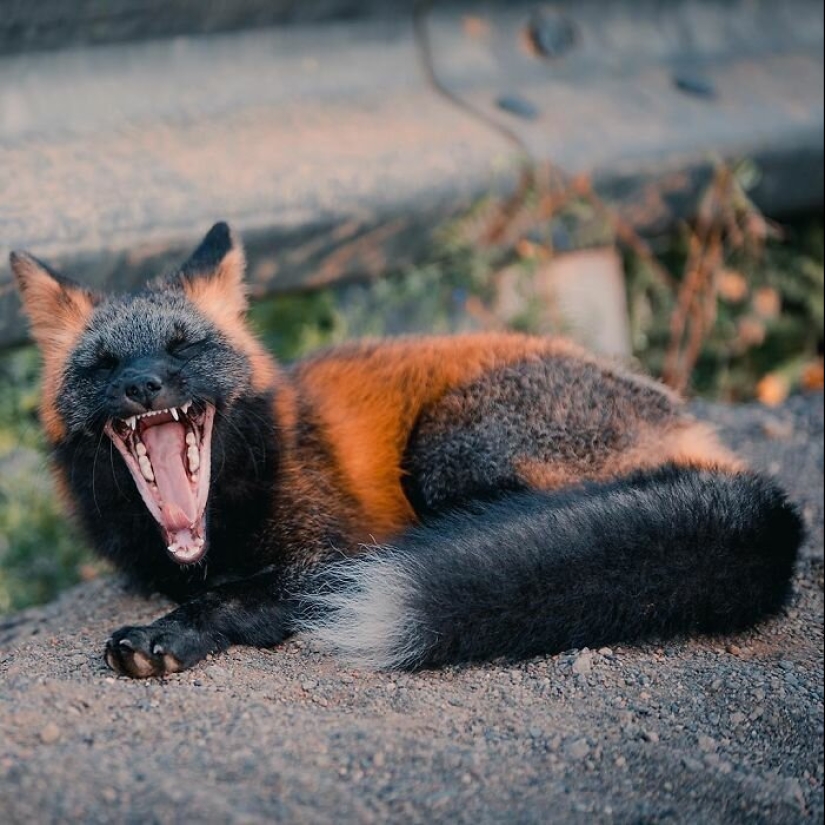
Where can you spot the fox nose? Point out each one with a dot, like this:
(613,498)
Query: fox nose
(142,387)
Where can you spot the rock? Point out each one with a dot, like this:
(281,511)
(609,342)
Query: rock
(707,744)
(50,734)
(583,663)
(578,750)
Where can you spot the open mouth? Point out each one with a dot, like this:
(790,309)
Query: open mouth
(168,453)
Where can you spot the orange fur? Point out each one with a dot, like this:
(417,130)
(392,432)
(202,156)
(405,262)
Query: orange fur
(58,314)
(222,297)
(368,397)
(689,444)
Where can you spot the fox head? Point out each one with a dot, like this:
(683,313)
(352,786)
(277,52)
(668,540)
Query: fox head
(155,372)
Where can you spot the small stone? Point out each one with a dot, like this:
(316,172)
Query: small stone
(737,718)
(583,664)
(217,673)
(620,762)
(50,734)
(777,429)
(578,750)
(606,652)
(650,736)
(707,744)
(734,650)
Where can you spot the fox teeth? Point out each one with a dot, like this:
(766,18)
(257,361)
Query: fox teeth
(186,406)
(194,459)
(146,468)
(132,422)
(174,414)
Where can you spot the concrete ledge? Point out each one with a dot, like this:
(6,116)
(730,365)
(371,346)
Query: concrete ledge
(331,154)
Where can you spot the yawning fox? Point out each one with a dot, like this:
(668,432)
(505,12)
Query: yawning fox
(412,502)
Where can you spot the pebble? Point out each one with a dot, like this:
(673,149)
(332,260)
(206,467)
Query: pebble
(707,744)
(583,664)
(650,736)
(50,734)
(778,430)
(578,750)
(217,673)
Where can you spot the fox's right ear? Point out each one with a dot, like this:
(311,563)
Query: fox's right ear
(58,308)
(213,275)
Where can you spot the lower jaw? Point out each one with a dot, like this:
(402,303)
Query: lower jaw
(187,556)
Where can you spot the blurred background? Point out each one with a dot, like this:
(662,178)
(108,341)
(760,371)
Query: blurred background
(643,175)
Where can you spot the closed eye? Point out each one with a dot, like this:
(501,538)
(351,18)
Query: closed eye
(106,362)
(183,348)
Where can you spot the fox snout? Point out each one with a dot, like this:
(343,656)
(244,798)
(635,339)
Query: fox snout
(144,384)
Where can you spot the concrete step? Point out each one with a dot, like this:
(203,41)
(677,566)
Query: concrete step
(326,147)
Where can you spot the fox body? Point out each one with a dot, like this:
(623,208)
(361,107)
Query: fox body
(412,502)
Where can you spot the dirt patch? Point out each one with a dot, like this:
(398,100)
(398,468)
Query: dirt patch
(715,730)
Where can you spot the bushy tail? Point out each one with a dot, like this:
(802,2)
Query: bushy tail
(672,551)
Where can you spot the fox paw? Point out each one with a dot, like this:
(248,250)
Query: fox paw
(143,652)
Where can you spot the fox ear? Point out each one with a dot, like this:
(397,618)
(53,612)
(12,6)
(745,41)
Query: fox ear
(58,308)
(213,275)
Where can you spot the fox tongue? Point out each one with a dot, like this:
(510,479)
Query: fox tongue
(166,446)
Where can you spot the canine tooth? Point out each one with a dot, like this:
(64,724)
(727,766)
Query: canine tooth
(146,468)
(140,449)
(194,459)
(191,439)
(174,413)
(186,406)
(132,422)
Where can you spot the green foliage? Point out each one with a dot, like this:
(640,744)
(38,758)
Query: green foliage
(40,553)
(431,297)
(769,314)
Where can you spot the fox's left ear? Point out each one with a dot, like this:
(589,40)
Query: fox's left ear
(58,308)
(213,275)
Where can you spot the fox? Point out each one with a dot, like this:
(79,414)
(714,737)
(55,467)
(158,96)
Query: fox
(413,502)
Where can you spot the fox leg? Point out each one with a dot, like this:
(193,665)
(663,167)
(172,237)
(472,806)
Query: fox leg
(251,611)
(548,424)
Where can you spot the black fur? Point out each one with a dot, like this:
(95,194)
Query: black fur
(561,411)
(245,460)
(512,572)
(662,553)
(216,244)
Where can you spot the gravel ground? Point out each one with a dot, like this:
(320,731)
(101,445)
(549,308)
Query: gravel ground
(714,730)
